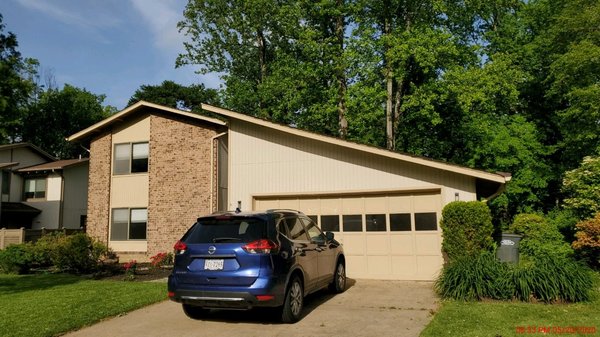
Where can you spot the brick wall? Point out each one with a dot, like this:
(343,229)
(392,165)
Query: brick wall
(99,188)
(179,178)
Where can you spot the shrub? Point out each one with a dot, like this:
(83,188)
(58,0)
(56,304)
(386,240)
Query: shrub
(476,277)
(551,279)
(467,229)
(78,253)
(546,279)
(588,240)
(564,220)
(540,237)
(16,259)
(44,248)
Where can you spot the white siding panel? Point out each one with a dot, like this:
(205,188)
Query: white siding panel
(265,161)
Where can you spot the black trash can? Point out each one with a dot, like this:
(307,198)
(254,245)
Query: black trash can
(508,250)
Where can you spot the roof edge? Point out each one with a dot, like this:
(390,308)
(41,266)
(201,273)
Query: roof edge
(130,109)
(499,178)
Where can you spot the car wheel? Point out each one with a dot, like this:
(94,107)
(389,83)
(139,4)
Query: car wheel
(194,312)
(338,285)
(294,302)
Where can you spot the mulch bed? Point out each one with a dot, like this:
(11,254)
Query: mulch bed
(142,273)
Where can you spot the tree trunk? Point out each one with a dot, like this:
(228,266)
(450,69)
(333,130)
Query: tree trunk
(389,78)
(340,71)
(262,61)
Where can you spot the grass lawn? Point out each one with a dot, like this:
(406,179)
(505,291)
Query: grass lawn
(47,305)
(496,318)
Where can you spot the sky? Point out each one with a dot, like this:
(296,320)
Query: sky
(109,47)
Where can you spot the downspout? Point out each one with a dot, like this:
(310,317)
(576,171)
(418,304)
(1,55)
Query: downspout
(62,200)
(213,171)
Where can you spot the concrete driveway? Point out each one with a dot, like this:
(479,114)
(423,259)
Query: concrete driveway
(367,308)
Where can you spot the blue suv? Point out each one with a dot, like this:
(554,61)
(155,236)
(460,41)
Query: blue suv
(244,260)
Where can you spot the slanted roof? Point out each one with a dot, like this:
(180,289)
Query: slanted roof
(495,177)
(5,165)
(19,207)
(136,108)
(55,165)
(31,146)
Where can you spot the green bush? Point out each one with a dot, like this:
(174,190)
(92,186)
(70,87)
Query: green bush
(545,279)
(476,277)
(78,253)
(551,279)
(16,259)
(467,229)
(564,220)
(540,237)
(44,248)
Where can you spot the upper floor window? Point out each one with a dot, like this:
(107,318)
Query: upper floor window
(35,188)
(131,158)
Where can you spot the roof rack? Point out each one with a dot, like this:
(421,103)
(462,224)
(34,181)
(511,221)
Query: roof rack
(283,210)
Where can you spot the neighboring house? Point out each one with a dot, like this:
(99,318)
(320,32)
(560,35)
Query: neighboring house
(13,212)
(59,190)
(154,169)
(39,191)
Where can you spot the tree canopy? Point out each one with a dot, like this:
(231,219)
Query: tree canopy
(507,85)
(174,95)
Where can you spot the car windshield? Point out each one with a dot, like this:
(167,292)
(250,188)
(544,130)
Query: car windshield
(227,230)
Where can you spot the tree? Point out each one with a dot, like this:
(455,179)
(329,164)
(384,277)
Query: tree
(178,96)
(16,85)
(60,113)
(581,187)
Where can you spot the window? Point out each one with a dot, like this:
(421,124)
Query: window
(5,185)
(35,188)
(376,223)
(313,231)
(131,158)
(330,223)
(129,224)
(400,222)
(425,221)
(352,223)
(296,229)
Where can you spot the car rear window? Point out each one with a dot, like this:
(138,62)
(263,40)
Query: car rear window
(215,230)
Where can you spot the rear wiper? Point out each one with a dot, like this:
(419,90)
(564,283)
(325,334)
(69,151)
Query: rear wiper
(215,240)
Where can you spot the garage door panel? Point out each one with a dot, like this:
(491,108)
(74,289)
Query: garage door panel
(354,244)
(330,206)
(400,204)
(309,206)
(289,204)
(402,244)
(267,204)
(375,205)
(378,265)
(429,266)
(378,244)
(356,266)
(428,244)
(427,203)
(404,265)
(353,206)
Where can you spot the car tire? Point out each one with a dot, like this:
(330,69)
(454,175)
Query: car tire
(291,311)
(194,312)
(338,284)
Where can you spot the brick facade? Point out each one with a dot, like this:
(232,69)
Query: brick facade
(179,178)
(98,208)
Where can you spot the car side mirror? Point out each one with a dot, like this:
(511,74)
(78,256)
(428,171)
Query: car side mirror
(329,236)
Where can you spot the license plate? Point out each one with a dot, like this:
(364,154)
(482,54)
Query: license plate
(213,264)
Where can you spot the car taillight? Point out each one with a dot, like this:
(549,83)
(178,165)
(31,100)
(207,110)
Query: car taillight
(180,248)
(261,246)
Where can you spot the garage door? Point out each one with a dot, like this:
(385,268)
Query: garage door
(387,236)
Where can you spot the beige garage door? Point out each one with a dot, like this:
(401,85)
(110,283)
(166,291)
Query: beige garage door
(389,236)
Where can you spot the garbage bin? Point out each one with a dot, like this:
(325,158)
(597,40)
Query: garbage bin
(508,251)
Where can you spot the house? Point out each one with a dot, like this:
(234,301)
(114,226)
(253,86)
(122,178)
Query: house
(154,170)
(39,191)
